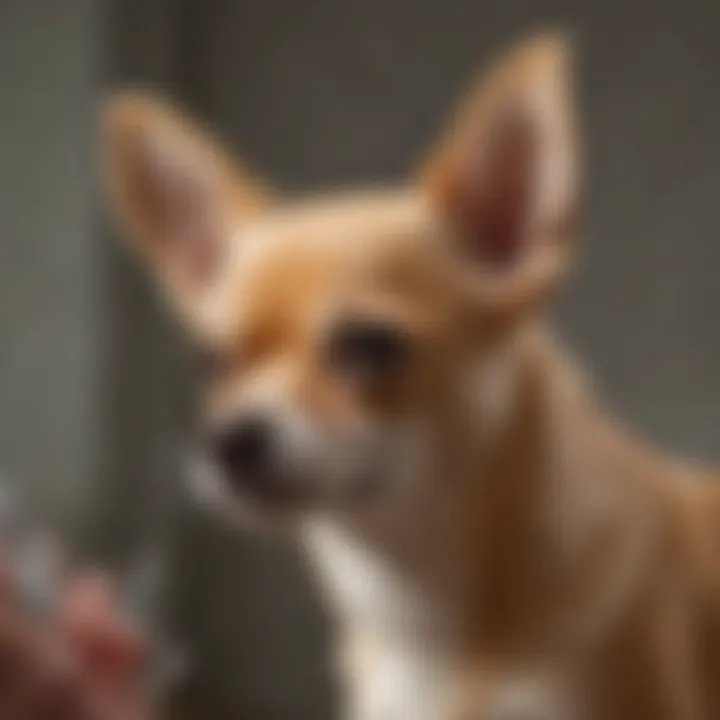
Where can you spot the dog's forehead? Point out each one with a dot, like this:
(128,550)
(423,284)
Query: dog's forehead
(320,246)
(343,227)
(298,262)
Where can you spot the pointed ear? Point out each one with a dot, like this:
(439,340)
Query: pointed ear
(175,191)
(505,176)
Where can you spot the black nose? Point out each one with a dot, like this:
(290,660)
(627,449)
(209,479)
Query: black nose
(244,448)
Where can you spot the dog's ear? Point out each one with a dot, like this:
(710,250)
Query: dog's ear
(505,177)
(178,195)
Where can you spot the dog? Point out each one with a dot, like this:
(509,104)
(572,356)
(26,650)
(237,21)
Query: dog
(380,379)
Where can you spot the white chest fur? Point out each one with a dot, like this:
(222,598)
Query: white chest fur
(400,603)
(365,587)
(405,627)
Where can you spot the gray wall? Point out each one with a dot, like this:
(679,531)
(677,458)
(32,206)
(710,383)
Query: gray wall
(48,284)
(92,376)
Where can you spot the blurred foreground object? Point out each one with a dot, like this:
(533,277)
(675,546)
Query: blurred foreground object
(104,618)
(81,660)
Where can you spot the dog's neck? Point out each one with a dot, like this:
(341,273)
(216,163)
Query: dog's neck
(512,502)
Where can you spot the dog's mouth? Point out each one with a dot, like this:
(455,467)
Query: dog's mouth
(283,495)
(234,505)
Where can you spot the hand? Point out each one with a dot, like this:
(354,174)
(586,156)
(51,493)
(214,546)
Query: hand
(83,663)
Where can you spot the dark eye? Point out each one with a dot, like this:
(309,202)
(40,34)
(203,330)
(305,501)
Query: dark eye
(367,348)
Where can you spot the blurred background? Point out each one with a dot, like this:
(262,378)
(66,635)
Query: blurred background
(95,384)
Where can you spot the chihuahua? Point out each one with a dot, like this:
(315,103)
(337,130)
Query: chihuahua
(379,378)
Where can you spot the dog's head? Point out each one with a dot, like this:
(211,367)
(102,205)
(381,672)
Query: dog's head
(338,332)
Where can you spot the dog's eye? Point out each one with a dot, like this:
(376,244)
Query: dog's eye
(367,348)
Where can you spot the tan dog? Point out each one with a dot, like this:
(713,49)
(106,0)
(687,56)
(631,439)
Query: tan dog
(380,378)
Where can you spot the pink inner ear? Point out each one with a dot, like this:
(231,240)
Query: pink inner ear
(497,204)
(193,237)
(178,202)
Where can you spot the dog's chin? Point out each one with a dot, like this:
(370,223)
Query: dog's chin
(282,511)
(217,495)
